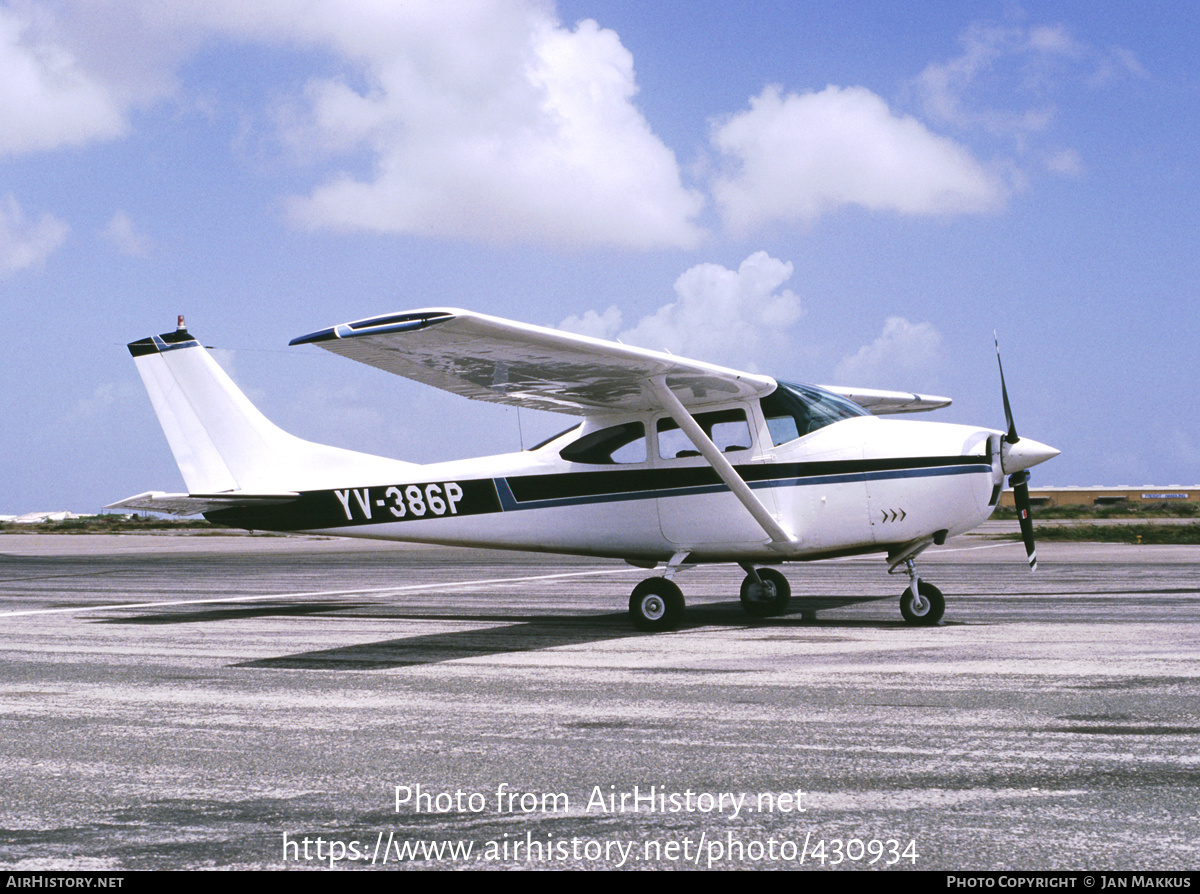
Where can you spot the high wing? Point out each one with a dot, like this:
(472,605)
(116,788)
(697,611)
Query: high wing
(488,358)
(502,361)
(882,403)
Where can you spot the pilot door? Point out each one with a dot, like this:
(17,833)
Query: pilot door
(695,508)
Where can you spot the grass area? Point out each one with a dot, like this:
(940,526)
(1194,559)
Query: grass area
(1147,530)
(112,524)
(1163,509)
(1145,534)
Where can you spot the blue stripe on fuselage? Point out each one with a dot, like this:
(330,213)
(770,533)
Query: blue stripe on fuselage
(509,502)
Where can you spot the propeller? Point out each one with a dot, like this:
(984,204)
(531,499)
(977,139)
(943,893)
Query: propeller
(1018,460)
(1020,485)
(1012,437)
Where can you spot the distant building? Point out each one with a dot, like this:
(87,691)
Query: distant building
(1106,496)
(34,518)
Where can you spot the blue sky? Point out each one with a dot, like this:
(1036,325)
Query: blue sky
(852,194)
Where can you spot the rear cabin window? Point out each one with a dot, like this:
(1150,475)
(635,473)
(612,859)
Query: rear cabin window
(618,445)
(793,411)
(540,444)
(727,429)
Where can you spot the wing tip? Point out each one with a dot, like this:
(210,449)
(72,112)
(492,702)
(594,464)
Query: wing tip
(381,325)
(312,337)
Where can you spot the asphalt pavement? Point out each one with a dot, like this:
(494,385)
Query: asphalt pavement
(270,702)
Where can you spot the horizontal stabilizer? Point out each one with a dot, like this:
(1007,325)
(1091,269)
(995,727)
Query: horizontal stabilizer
(194,504)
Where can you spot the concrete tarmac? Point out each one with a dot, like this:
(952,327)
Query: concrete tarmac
(277,702)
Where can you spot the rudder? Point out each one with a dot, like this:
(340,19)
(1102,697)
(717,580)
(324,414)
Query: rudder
(220,440)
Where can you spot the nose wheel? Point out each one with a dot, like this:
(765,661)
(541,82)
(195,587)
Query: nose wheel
(922,604)
(925,611)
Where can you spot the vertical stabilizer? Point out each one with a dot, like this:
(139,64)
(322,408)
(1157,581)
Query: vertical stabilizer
(220,440)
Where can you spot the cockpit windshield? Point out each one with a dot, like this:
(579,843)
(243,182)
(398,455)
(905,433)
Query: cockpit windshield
(793,411)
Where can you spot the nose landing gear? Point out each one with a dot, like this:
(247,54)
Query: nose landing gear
(922,604)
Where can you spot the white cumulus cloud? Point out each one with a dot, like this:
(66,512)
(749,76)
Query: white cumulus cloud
(494,123)
(796,157)
(593,324)
(124,236)
(484,120)
(994,55)
(23,242)
(1066,162)
(732,317)
(903,353)
(1004,80)
(47,99)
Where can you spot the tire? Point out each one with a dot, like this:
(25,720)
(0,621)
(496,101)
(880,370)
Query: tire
(656,605)
(935,606)
(770,598)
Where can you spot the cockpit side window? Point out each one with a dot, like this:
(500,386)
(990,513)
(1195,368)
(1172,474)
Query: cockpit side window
(793,411)
(727,429)
(618,445)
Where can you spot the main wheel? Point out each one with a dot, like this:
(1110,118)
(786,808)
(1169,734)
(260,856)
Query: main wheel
(768,598)
(656,605)
(931,609)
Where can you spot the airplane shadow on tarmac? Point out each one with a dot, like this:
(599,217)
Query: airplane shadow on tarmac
(516,633)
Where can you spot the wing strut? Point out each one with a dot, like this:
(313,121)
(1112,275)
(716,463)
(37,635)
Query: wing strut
(728,474)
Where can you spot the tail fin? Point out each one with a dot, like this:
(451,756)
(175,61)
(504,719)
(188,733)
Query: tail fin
(221,441)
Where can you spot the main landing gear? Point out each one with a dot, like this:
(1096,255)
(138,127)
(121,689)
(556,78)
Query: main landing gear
(657,603)
(765,592)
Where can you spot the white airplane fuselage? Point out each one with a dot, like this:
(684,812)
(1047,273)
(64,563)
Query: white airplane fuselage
(859,485)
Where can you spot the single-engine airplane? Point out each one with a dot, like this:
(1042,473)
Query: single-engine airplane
(676,462)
